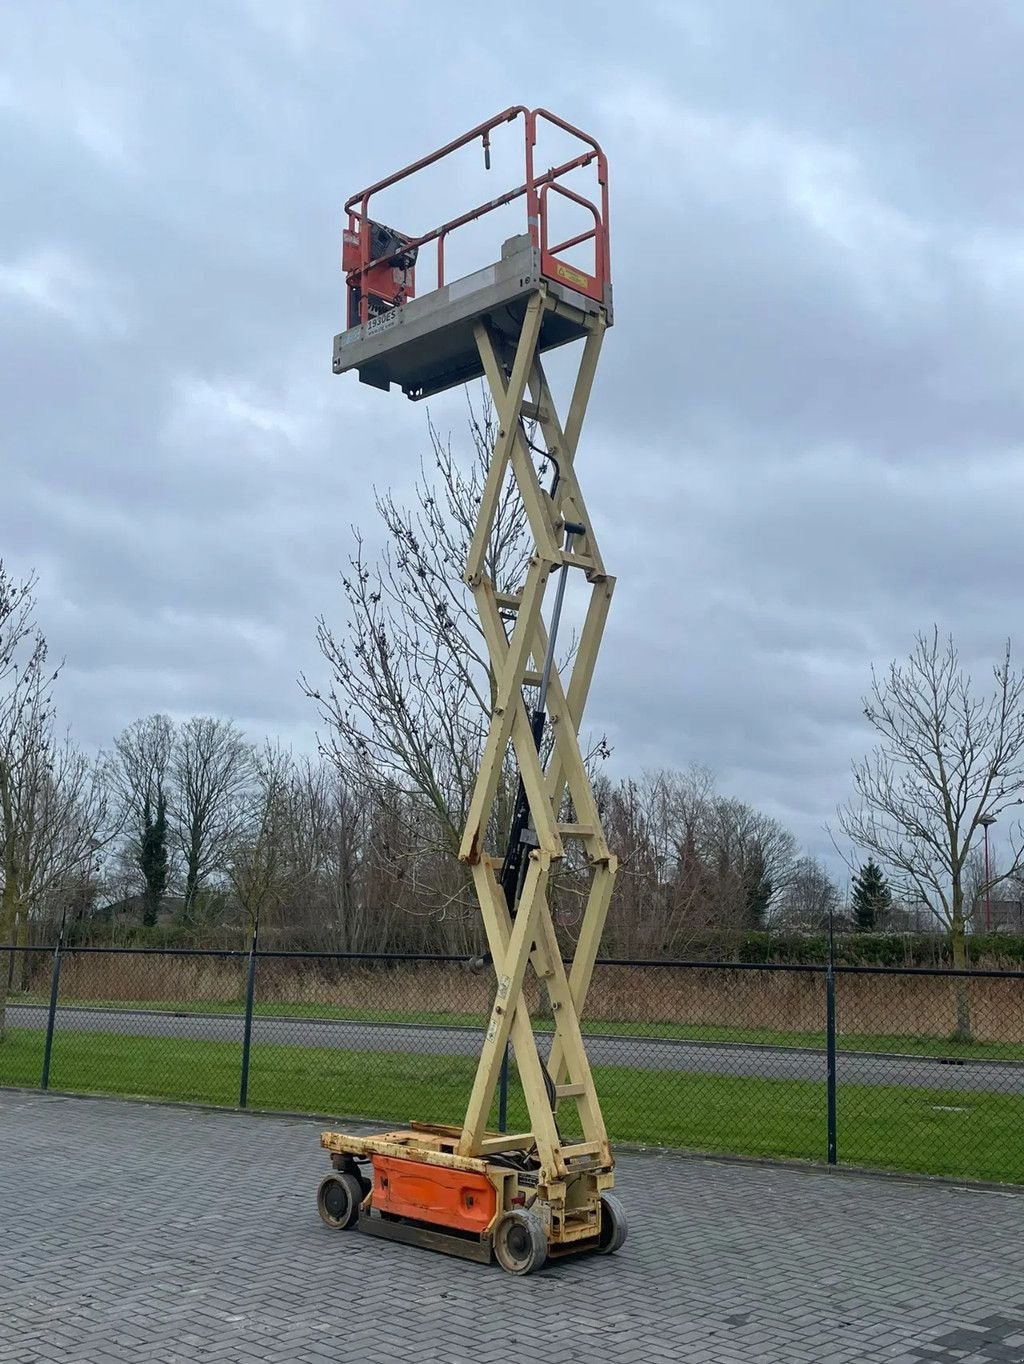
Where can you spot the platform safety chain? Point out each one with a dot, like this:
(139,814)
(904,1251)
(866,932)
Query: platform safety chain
(528,939)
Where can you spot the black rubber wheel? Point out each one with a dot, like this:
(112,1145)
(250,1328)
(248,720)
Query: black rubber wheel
(520,1242)
(349,1167)
(614,1227)
(338,1199)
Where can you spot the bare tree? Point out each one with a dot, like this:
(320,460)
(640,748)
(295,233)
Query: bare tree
(663,895)
(692,862)
(345,917)
(754,856)
(947,758)
(321,902)
(53,808)
(411,689)
(211,765)
(257,859)
(321,851)
(811,898)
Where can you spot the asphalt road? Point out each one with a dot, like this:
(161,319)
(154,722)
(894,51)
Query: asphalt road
(700,1058)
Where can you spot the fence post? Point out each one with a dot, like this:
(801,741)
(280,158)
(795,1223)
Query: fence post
(830,1046)
(51,1017)
(250,989)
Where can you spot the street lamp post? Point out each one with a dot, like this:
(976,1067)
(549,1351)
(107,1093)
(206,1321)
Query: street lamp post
(986,821)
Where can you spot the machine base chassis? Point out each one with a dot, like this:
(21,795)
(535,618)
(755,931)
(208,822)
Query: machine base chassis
(430,1147)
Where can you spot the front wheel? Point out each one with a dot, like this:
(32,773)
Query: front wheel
(614,1226)
(338,1199)
(520,1242)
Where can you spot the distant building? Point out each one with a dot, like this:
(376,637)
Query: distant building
(130,908)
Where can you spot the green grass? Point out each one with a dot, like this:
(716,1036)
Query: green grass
(21,1056)
(695,1032)
(942,1132)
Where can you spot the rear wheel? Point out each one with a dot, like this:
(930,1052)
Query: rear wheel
(520,1242)
(614,1226)
(338,1199)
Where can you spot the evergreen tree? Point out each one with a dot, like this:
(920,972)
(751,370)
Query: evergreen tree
(759,891)
(871,896)
(758,898)
(153,858)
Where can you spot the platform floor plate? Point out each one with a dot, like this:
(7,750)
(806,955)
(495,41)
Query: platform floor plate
(428,345)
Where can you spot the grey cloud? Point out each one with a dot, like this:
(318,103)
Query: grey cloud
(804,439)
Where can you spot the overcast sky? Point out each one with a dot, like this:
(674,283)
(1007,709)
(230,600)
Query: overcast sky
(804,443)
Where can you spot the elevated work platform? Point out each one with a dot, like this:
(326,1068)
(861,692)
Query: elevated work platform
(428,344)
(521,1196)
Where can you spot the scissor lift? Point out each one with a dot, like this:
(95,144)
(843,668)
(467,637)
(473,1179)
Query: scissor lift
(468,1190)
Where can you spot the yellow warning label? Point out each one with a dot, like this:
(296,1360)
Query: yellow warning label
(570,275)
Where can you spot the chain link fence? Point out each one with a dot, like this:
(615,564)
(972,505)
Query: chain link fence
(916,1070)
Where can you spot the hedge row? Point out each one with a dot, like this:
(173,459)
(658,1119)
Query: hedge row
(995,951)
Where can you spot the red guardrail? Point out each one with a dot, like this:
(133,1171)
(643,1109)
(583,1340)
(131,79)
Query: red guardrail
(387,279)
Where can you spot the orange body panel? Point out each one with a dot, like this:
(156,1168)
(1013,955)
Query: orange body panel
(386,285)
(430,1193)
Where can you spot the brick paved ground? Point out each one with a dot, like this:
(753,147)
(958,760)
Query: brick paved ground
(132,1232)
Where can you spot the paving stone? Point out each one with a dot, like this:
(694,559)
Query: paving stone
(191,1237)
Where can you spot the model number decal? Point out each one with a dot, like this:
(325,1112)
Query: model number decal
(382,321)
